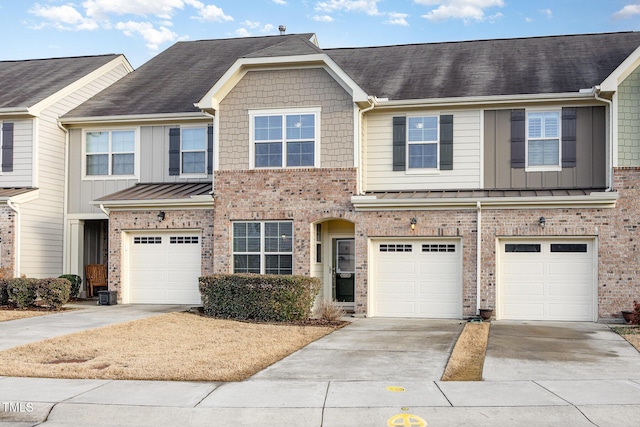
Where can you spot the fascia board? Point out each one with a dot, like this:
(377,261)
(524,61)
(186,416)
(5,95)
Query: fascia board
(193,203)
(234,74)
(594,200)
(16,113)
(21,198)
(120,60)
(484,100)
(163,117)
(610,84)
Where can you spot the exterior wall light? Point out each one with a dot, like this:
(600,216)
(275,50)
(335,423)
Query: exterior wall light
(161,216)
(413,223)
(542,222)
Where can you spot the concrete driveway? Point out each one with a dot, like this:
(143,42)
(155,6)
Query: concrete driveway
(374,372)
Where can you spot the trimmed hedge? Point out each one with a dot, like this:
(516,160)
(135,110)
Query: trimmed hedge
(54,292)
(75,281)
(258,297)
(22,291)
(4,296)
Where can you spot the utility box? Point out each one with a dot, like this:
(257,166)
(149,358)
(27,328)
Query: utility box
(107,297)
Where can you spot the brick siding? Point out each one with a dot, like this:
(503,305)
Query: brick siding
(7,238)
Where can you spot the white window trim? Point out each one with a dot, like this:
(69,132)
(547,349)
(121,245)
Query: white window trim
(423,171)
(206,152)
(282,112)
(110,176)
(543,168)
(262,252)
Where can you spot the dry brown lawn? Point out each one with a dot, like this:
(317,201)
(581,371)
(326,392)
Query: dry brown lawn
(630,333)
(174,347)
(6,315)
(467,358)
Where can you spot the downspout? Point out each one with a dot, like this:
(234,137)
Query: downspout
(596,90)
(16,236)
(478,255)
(65,197)
(105,210)
(372,104)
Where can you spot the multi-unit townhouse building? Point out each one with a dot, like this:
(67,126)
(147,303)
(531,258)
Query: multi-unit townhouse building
(424,180)
(33,95)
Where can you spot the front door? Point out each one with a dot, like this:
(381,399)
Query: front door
(345,271)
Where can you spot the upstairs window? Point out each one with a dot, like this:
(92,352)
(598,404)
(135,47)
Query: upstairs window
(110,153)
(543,140)
(422,141)
(193,150)
(288,139)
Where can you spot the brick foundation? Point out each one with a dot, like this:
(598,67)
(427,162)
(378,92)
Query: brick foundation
(7,238)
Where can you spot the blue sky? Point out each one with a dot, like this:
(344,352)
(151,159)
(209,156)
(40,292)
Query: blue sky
(142,28)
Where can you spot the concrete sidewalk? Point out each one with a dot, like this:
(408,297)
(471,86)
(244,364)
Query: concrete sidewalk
(374,372)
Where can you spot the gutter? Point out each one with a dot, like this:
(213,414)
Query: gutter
(160,117)
(596,94)
(203,202)
(478,255)
(65,198)
(373,102)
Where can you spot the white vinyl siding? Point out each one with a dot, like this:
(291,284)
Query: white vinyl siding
(379,155)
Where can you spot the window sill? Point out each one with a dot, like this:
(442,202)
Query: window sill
(543,169)
(422,172)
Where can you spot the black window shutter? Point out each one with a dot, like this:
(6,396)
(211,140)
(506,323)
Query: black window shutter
(174,151)
(399,143)
(7,147)
(446,142)
(210,149)
(518,136)
(569,137)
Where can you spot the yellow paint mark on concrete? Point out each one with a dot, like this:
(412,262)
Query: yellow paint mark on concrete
(395,389)
(406,420)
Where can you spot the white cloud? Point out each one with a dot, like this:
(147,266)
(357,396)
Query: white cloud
(101,9)
(253,29)
(154,37)
(527,19)
(547,12)
(396,18)
(370,7)
(64,17)
(213,13)
(466,10)
(322,18)
(628,11)
(281,2)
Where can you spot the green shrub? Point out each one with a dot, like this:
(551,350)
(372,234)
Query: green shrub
(4,296)
(54,292)
(22,291)
(635,317)
(75,281)
(258,297)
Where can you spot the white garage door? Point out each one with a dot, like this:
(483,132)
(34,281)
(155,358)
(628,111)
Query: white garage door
(547,280)
(164,268)
(416,278)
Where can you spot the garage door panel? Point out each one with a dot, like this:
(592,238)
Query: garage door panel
(422,282)
(161,272)
(552,284)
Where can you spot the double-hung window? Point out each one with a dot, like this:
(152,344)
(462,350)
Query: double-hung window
(110,152)
(543,140)
(422,142)
(286,139)
(193,150)
(263,247)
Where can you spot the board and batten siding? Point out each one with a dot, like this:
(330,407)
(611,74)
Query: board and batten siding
(82,192)
(379,156)
(154,154)
(590,169)
(22,174)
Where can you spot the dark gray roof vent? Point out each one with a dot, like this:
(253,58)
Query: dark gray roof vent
(283,29)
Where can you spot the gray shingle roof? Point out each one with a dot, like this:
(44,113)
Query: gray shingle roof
(25,83)
(536,65)
(175,79)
